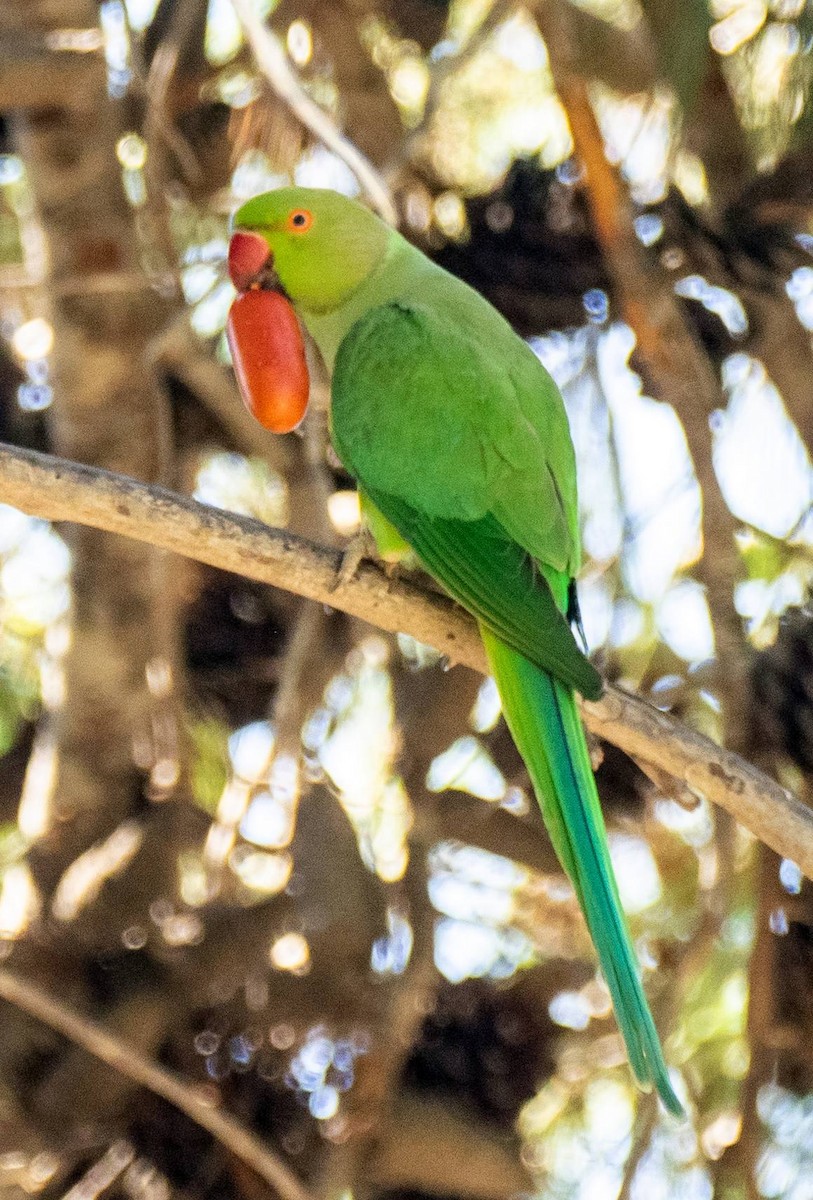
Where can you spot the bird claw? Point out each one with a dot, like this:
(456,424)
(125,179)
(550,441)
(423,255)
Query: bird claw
(393,569)
(361,546)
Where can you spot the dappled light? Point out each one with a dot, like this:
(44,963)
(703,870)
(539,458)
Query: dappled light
(355,748)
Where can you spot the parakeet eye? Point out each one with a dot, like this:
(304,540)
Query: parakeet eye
(300,221)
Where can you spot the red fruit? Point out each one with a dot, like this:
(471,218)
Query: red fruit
(269,359)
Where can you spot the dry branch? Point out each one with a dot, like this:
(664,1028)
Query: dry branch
(184,1096)
(276,70)
(676,367)
(57,490)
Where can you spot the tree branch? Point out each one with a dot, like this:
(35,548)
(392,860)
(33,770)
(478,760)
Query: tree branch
(184,1096)
(275,69)
(676,367)
(56,490)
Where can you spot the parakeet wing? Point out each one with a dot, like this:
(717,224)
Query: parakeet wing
(494,578)
(413,416)
(459,421)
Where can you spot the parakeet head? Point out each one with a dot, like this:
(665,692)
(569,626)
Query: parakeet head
(320,245)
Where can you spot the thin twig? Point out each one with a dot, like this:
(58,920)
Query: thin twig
(56,490)
(274,66)
(130,1062)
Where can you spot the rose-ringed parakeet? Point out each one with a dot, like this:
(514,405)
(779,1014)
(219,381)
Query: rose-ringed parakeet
(459,441)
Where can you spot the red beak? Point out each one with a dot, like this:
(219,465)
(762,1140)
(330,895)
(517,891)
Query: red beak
(248,256)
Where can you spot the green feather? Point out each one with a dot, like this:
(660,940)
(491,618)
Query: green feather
(458,422)
(536,663)
(495,579)
(541,714)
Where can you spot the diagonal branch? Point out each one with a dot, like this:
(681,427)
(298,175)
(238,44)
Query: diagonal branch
(130,1062)
(277,72)
(57,490)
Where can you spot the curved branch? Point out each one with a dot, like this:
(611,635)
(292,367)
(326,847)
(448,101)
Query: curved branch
(130,1062)
(275,69)
(56,490)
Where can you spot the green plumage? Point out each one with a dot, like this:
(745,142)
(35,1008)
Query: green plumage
(483,435)
(495,579)
(458,436)
(544,723)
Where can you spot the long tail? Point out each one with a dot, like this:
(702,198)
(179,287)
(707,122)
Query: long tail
(544,722)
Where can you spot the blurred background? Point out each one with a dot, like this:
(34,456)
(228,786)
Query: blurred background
(295,860)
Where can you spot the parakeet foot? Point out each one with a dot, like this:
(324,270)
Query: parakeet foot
(394,568)
(362,545)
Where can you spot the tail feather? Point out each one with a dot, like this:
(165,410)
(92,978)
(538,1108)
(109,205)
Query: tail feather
(544,722)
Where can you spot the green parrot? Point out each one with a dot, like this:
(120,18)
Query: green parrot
(459,442)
